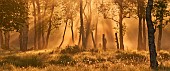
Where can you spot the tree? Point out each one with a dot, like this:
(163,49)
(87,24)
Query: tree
(125,11)
(35,24)
(151,37)
(160,11)
(125,8)
(108,12)
(13,14)
(120,4)
(144,32)
(81,24)
(69,10)
(39,26)
(25,27)
(88,27)
(50,24)
(140,14)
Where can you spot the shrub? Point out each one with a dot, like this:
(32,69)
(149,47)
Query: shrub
(90,60)
(131,57)
(71,50)
(164,56)
(64,60)
(25,61)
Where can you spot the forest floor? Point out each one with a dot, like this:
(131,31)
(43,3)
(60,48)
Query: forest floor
(50,60)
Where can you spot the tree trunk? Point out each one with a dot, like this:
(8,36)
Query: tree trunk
(159,37)
(117,41)
(104,42)
(93,39)
(140,35)
(43,25)
(72,30)
(49,26)
(121,26)
(1,39)
(144,33)
(160,30)
(39,32)
(140,13)
(151,37)
(24,37)
(7,38)
(87,32)
(63,34)
(82,24)
(24,33)
(35,25)
(21,40)
(96,33)
(79,39)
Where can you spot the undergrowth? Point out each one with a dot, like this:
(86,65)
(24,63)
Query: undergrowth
(69,60)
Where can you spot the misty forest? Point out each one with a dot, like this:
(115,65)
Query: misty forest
(84,35)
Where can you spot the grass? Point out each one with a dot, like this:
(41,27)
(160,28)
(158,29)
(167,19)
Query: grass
(49,60)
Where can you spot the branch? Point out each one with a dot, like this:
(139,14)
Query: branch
(112,19)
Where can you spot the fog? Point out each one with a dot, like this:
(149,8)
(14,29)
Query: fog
(105,26)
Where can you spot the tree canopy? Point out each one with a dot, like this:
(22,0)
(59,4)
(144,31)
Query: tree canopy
(12,13)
